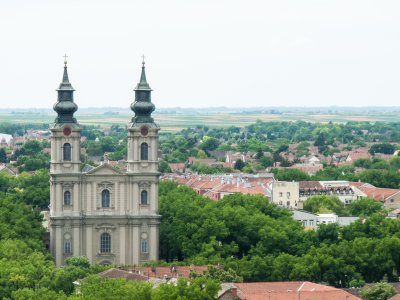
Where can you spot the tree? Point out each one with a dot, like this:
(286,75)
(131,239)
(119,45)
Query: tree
(239,164)
(163,167)
(364,207)
(384,148)
(324,204)
(379,291)
(77,261)
(209,143)
(3,155)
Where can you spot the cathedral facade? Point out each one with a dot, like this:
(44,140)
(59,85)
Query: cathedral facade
(104,213)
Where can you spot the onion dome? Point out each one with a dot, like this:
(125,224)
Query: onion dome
(142,107)
(65,105)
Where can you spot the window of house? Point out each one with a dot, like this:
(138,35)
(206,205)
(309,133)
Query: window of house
(287,203)
(143,198)
(288,194)
(105,243)
(67,198)
(67,152)
(391,200)
(67,247)
(144,151)
(280,194)
(144,246)
(311,222)
(105,199)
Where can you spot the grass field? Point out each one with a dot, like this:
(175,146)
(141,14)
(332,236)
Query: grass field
(176,122)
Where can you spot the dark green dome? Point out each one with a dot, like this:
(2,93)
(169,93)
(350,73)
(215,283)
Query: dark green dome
(142,107)
(65,105)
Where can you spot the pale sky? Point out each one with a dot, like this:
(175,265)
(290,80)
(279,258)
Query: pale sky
(202,53)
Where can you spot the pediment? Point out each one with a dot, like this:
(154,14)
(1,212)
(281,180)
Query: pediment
(104,169)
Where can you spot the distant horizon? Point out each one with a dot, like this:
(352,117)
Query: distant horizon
(216,107)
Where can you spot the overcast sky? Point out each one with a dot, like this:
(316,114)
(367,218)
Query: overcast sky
(202,53)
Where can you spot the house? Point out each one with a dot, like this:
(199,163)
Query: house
(291,290)
(310,169)
(286,194)
(389,197)
(341,189)
(312,221)
(177,167)
(5,140)
(8,169)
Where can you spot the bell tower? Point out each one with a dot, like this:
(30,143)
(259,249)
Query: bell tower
(65,140)
(65,174)
(143,132)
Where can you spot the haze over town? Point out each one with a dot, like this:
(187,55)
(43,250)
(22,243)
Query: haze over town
(202,54)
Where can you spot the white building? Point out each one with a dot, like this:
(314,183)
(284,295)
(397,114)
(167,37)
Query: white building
(106,214)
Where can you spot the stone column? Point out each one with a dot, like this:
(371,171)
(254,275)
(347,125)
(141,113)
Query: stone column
(89,243)
(122,245)
(135,244)
(59,246)
(153,241)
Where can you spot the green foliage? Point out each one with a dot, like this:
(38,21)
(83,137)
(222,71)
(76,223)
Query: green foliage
(379,291)
(209,143)
(324,204)
(77,261)
(239,164)
(219,274)
(290,175)
(384,148)
(364,207)
(163,167)
(3,155)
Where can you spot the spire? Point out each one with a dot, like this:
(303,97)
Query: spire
(143,85)
(142,107)
(65,106)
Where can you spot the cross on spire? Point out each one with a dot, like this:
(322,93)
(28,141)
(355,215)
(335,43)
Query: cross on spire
(143,57)
(65,59)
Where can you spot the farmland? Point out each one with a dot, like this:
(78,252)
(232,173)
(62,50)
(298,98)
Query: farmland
(179,119)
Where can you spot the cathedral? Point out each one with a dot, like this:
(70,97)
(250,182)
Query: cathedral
(104,213)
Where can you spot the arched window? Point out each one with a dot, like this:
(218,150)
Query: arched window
(143,198)
(67,247)
(105,243)
(144,246)
(144,151)
(67,152)
(67,198)
(105,199)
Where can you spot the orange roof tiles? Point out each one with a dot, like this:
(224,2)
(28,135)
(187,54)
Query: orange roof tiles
(290,291)
(161,272)
(378,193)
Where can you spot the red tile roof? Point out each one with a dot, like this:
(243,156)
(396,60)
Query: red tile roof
(290,291)
(162,272)
(378,193)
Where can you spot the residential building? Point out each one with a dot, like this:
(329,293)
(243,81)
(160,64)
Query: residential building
(286,194)
(291,290)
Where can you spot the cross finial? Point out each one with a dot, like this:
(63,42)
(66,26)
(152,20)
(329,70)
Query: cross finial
(143,57)
(65,59)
